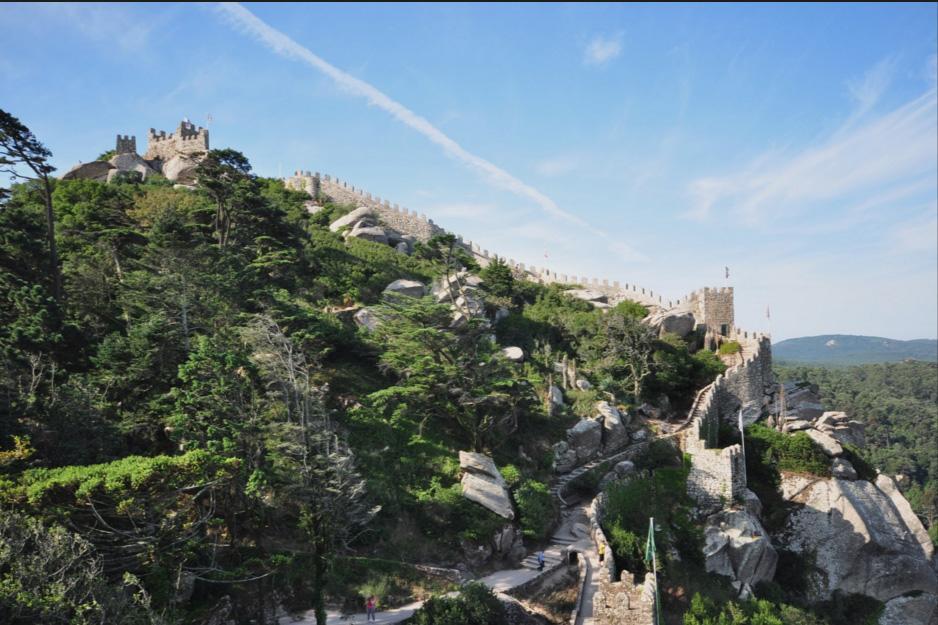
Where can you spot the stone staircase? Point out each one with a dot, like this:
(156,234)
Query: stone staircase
(560,484)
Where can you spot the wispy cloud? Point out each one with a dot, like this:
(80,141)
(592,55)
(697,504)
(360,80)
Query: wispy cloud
(885,153)
(557,165)
(105,24)
(867,91)
(288,48)
(602,49)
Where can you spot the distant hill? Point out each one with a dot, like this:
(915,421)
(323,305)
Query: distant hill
(847,349)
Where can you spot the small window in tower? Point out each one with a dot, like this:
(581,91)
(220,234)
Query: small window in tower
(725,329)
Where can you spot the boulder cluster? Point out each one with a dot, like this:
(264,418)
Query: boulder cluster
(605,432)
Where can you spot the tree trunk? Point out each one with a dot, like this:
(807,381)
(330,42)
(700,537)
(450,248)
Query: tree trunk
(50,230)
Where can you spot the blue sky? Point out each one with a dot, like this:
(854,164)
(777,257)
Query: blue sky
(655,145)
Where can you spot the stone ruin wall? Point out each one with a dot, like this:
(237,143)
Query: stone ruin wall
(713,307)
(717,476)
(188,139)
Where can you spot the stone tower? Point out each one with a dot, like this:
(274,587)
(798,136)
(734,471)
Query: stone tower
(188,140)
(126,144)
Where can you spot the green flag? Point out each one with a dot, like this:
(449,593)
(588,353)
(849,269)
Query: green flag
(650,543)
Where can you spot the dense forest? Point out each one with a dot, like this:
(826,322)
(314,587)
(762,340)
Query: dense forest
(189,415)
(898,403)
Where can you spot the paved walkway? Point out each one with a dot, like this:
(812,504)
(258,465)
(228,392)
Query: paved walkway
(573,531)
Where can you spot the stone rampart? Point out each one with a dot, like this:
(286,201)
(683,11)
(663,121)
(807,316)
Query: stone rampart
(717,476)
(188,140)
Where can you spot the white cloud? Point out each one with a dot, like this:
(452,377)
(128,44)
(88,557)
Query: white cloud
(602,49)
(893,150)
(496,176)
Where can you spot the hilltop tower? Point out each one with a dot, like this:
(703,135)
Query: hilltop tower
(188,140)
(126,144)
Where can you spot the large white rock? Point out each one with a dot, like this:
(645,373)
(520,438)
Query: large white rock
(375,234)
(829,444)
(671,322)
(483,483)
(890,488)
(587,295)
(128,161)
(351,218)
(180,169)
(858,538)
(514,354)
(469,305)
(585,438)
(614,432)
(410,288)
(364,318)
(737,546)
(95,170)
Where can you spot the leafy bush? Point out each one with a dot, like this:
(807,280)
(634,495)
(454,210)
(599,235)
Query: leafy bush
(498,279)
(511,474)
(536,508)
(628,308)
(786,452)
(730,347)
(704,611)
(663,496)
(475,605)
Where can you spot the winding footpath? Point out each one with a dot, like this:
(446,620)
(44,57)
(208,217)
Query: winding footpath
(572,534)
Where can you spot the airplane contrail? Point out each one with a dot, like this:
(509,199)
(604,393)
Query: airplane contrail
(283,45)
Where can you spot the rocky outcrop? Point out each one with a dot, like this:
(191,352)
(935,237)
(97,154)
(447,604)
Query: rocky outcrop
(738,547)
(96,170)
(408,288)
(829,444)
(585,439)
(588,295)
(921,609)
(614,433)
(180,169)
(375,234)
(858,538)
(484,484)
(364,318)
(554,400)
(351,218)
(129,161)
(671,322)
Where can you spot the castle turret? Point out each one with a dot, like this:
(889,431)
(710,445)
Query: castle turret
(126,144)
(188,140)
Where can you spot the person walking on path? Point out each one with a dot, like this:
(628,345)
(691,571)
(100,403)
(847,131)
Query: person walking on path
(602,551)
(540,560)
(371,606)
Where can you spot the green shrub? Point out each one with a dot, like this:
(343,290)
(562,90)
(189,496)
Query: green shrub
(796,453)
(511,474)
(536,508)
(475,605)
(704,611)
(629,308)
(729,348)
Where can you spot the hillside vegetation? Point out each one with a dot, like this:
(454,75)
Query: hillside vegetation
(189,418)
(898,403)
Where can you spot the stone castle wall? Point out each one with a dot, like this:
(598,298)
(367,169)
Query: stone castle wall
(717,476)
(188,140)
(126,144)
(713,306)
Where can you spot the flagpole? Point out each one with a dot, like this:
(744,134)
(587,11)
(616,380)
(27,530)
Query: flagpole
(742,441)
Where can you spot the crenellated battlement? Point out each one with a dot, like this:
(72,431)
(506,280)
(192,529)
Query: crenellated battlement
(188,140)
(712,306)
(126,144)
